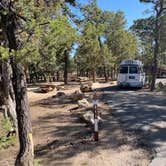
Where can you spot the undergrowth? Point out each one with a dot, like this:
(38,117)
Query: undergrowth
(5,141)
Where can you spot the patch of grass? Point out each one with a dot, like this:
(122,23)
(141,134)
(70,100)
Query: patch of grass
(6,124)
(5,141)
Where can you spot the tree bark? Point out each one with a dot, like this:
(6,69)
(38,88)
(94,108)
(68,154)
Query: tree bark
(105,74)
(57,76)
(66,60)
(77,70)
(27,75)
(6,88)
(3,107)
(94,74)
(156,48)
(8,93)
(25,155)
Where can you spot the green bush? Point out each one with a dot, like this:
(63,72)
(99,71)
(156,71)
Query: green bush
(5,141)
(6,124)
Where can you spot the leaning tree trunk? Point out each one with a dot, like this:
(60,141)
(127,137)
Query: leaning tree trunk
(7,96)
(8,93)
(3,108)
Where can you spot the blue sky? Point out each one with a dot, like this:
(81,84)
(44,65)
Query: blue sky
(132,9)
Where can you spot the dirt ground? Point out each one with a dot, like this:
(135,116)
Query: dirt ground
(62,139)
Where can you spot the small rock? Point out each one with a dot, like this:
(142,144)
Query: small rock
(83,103)
(160,85)
(77,96)
(95,85)
(71,143)
(85,88)
(90,83)
(88,117)
(60,88)
(83,78)
(59,94)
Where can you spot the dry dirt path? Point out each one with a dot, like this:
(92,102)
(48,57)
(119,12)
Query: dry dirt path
(62,140)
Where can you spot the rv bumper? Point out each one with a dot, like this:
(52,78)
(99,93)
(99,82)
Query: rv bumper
(131,84)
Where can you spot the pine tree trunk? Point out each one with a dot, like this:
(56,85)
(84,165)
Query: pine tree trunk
(26,154)
(105,74)
(57,75)
(94,74)
(111,73)
(66,60)
(87,73)
(77,70)
(155,57)
(26,70)
(154,72)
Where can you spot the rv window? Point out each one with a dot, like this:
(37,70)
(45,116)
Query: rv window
(133,70)
(124,69)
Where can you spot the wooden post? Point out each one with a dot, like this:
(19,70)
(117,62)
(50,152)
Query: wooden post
(96,129)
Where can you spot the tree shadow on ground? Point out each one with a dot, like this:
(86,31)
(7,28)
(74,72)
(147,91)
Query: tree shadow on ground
(118,88)
(139,112)
(72,137)
(54,102)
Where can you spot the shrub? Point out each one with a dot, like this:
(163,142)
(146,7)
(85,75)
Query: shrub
(6,141)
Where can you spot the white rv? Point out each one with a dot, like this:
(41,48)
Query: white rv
(131,74)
